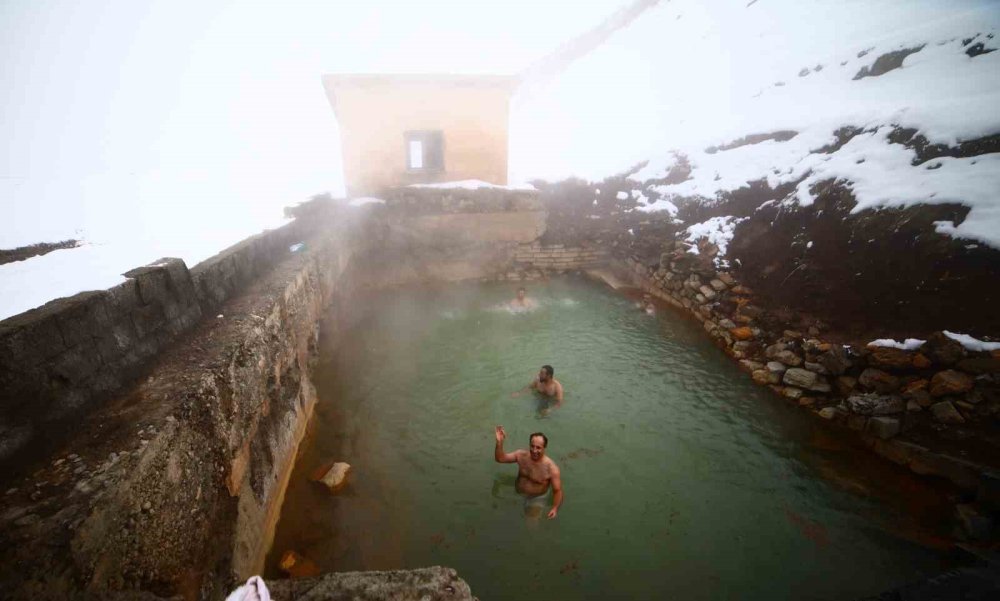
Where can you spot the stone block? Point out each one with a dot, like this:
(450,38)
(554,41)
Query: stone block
(875,405)
(816,368)
(986,364)
(950,382)
(741,333)
(887,356)
(803,378)
(878,380)
(835,360)
(792,392)
(846,384)
(765,377)
(946,413)
(883,427)
(777,367)
(148,319)
(718,285)
(751,366)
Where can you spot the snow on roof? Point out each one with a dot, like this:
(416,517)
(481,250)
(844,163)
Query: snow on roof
(472,184)
(365,200)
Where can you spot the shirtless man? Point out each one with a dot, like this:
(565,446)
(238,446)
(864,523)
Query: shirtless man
(522,301)
(535,471)
(546,384)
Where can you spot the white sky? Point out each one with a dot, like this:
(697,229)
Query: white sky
(124,112)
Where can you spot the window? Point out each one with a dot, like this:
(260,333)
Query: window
(424,151)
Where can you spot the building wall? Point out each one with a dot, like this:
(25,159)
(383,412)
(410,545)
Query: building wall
(375,112)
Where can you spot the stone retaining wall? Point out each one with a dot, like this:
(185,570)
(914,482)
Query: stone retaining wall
(59,360)
(897,400)
(175,485)
(559,257)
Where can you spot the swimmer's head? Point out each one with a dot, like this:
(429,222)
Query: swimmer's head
(521,292)
(537,443)
(546,373)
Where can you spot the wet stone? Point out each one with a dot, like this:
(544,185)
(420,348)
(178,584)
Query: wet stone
(878,380)
(883,427)
(946,413)
(950,382)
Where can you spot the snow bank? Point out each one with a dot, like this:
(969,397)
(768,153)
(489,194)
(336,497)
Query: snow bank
(718,230)
(972,344)
(702,74)
(909,344)
(472,184)
(365,200)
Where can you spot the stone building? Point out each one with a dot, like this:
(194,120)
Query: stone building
(397,130)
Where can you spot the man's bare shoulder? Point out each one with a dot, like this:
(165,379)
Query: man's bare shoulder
(552,465)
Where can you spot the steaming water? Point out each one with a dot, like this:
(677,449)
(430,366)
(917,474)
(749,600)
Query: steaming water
(681,477)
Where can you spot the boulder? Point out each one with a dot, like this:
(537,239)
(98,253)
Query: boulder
(765,377)
(985,364)
(922,397)
(878,380)
(828,412)
(887,356)
(816,368)
(875,404)
(332,475)
(912,387)
(803,378)
(751,366)
(835,360)
(913,406)
(726,278)
(920,361)
(846,384)
(792,393)
(883,427)
(719,285)
(726,323)
(741,333)
(950,381)
(707,292)
(942,349)
(946,413)
(776,366)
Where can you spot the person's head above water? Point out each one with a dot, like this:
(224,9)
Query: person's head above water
(521,292)
(537,443)
(546,373)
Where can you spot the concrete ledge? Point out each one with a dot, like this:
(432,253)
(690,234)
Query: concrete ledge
(424,584)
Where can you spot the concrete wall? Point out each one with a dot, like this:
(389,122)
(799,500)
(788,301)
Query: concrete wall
(559,256)
(375,112)
(59,360)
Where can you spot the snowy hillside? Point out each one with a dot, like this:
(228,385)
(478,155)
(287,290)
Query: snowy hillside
(900,100)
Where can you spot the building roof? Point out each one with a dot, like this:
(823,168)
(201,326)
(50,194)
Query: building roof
(335,82)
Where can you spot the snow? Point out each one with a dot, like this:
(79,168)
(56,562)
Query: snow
(472,184)
(909,344)
(732,90)
(972,344)
(718,230)
(365,200)
(622,195)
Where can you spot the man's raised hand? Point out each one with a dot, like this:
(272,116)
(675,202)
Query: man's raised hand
(501,435)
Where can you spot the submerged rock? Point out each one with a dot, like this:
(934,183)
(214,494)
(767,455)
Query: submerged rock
(333,476)
(883,427)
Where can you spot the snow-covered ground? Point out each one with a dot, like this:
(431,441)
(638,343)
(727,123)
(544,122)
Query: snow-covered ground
(690,75)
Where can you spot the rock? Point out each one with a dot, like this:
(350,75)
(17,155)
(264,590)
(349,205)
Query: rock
(946,413)
(857,422)
(807,401)
(883,427)
(700,299)
(828,412)
(426,584)
(765,377)
(333,476)
(813,331)
(912,387)
(920,361)
(942,349)
(751,366)
(707,292)
(719,285)
(875,404)
(923,398)
(950,381)
(792,393)
(835,360)
(726,278)
(878,380)
(912,406)
(887,356)
(777,367)
(973,524)
(804,378)
(297,566)
(791,334)
(742,291)
(846,384)
(980,365)
(726,323)
(816,368)
(741,333)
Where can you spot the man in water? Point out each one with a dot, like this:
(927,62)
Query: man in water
(522,301)
(546,384)
(535,471)
(647,304)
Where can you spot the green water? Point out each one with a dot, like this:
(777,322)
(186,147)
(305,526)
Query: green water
(681,477)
